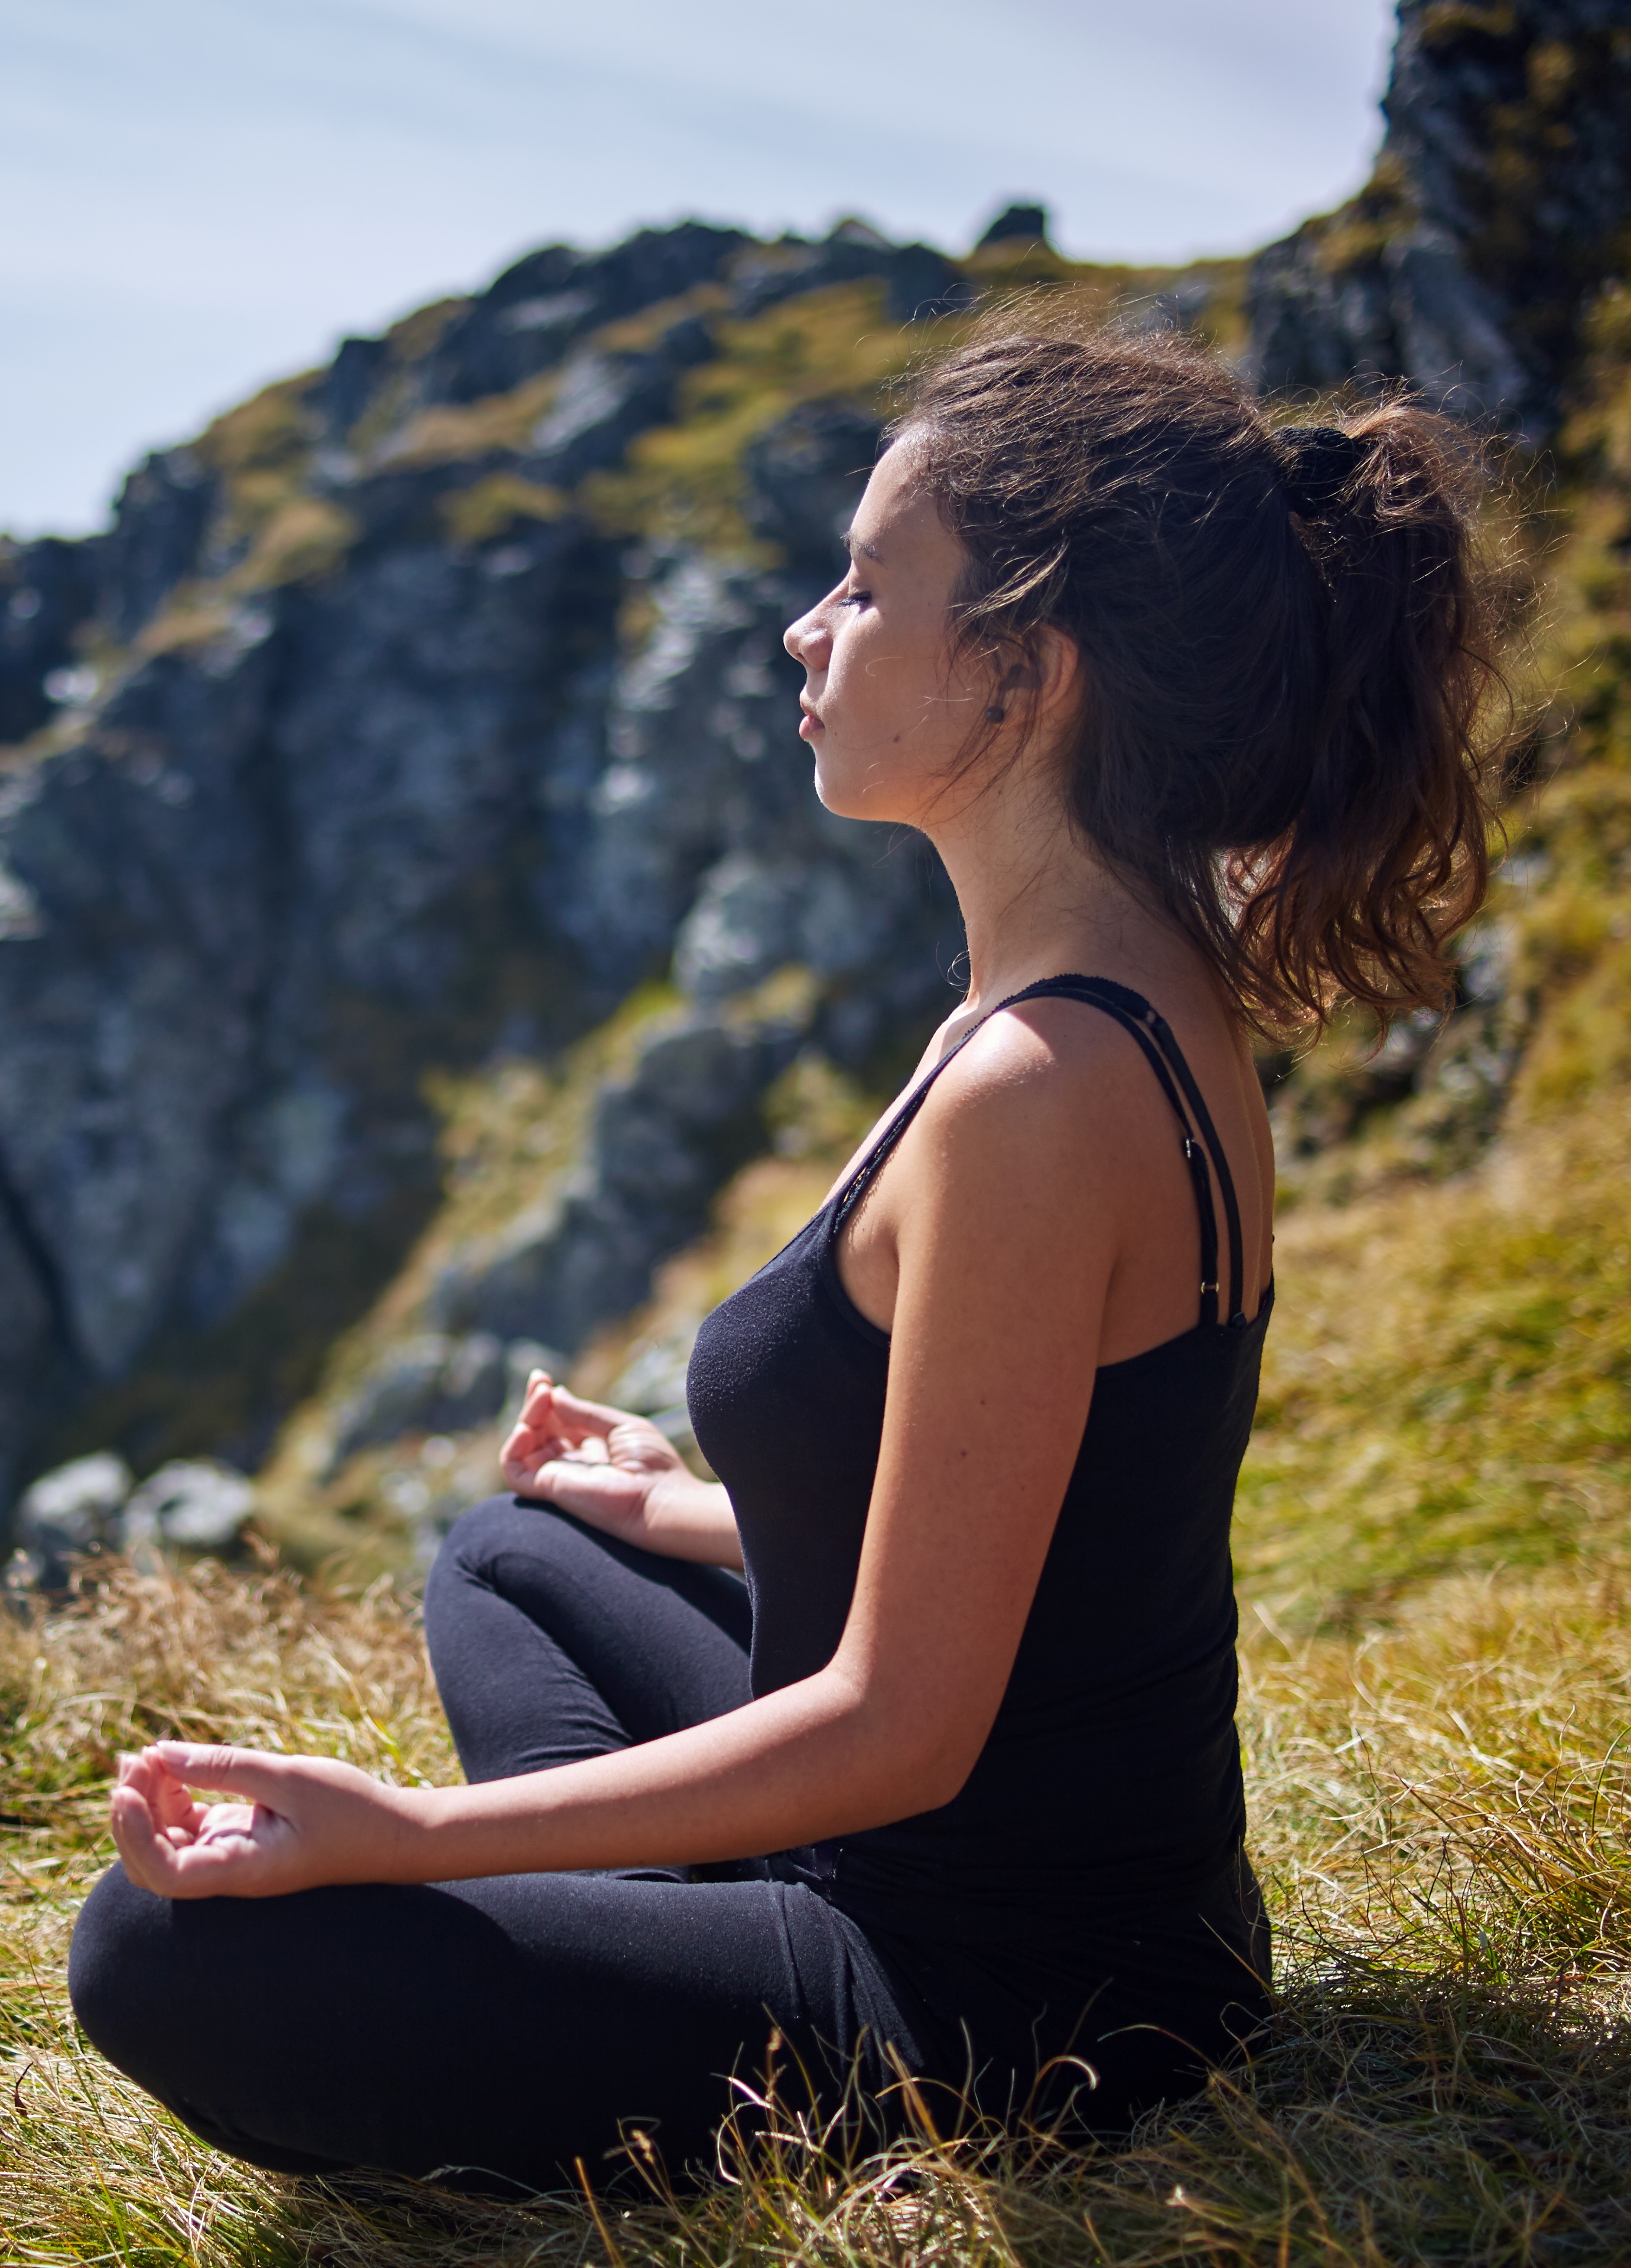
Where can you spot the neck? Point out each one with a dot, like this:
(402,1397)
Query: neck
(1035,901)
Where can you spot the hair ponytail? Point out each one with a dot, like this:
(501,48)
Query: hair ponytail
(1287,641)
(1388,855)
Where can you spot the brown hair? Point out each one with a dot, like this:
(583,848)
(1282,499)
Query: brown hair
(1279,739)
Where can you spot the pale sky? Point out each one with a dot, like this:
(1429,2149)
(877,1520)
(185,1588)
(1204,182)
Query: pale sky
(202,195)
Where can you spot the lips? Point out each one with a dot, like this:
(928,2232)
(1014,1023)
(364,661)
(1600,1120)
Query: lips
(810,723)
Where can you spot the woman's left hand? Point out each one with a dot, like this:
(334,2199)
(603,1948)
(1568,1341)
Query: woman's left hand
(300,1822)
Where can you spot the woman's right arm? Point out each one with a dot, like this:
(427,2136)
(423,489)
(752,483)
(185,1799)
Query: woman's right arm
(617,1472)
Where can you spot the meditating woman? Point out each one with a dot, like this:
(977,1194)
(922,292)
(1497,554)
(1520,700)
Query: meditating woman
(951,1788)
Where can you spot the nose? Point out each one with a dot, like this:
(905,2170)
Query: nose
(809,639)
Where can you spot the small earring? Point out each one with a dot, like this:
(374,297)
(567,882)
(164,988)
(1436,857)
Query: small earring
(995,715)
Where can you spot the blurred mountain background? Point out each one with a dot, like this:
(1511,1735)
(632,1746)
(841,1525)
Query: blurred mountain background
(203,193)
(422,953)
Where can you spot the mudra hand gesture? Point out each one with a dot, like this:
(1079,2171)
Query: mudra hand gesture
(298,1822)
(606,1467)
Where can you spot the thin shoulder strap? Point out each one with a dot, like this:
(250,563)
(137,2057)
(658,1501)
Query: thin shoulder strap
(1166,1060)
(866,1173)
(1132,1004)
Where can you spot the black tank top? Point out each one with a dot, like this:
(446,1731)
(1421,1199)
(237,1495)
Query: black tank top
(1112,1769)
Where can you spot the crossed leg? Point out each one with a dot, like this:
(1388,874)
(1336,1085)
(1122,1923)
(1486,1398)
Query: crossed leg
(498,2030)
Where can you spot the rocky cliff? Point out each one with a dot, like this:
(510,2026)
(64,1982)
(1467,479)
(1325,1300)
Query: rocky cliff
(1499,207)
(409,767)
(371,738)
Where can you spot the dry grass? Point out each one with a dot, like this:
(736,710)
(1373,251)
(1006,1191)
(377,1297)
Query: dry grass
(1443,1817)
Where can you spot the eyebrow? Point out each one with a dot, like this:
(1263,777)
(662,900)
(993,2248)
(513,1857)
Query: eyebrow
(853,544)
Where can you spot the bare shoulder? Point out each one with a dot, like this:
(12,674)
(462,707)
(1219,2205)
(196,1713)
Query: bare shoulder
(1047,1153)
(1042,1115)
(1049,1068)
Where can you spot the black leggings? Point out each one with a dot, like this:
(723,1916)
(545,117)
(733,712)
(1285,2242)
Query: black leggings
(501,2029)
(494,2032)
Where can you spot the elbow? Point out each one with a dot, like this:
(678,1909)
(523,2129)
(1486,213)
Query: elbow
(922,1768)
(906,1754)
(942,1778)
(931,1793)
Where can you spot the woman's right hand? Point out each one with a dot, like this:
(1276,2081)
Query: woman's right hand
(606,1467)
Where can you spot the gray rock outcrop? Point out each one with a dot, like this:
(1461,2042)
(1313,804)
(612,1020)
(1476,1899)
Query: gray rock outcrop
(67,1514)
(1498,208)
(192,1504)
(294,839)
(918,281)
(92,1505)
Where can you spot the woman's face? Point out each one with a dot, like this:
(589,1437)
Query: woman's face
(886,709)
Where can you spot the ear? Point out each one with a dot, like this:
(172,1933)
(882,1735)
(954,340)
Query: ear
(1051,674)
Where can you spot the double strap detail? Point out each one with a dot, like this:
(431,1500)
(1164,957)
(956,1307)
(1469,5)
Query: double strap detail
(1203,1150)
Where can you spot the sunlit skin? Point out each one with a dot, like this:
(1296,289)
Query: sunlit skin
(1036,1221)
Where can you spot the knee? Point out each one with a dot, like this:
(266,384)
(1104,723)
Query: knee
(117,1967)
(479,1539)
(489,1548)
(497,1531)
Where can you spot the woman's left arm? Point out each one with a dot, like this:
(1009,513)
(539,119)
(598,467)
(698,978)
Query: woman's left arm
(1003,1274)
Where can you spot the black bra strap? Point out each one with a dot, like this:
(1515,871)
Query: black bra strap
(1102,989)
(864,1175)
(1219,1163)
(1166,1060)
(1160,1050)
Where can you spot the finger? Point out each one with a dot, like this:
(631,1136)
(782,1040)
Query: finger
(233,1867)
(539,1436)
(520,1446)
(535,1400)
(230,1771)
(136,1771)
(523,1458)
(144,1770)
(535,1441)
(168,1801)
(171,1805)
(578,1417)
(529,1449)
(148,1860)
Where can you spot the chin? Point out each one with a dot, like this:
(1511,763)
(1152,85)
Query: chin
(844,799)
(827,793)
(862,786)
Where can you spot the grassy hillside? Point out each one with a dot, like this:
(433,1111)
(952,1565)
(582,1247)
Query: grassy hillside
(1441,1816)
(1436,1573)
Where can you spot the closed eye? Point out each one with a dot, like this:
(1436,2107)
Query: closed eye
(856,599)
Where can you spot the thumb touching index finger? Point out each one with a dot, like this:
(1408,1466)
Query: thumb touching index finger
(228,1770)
